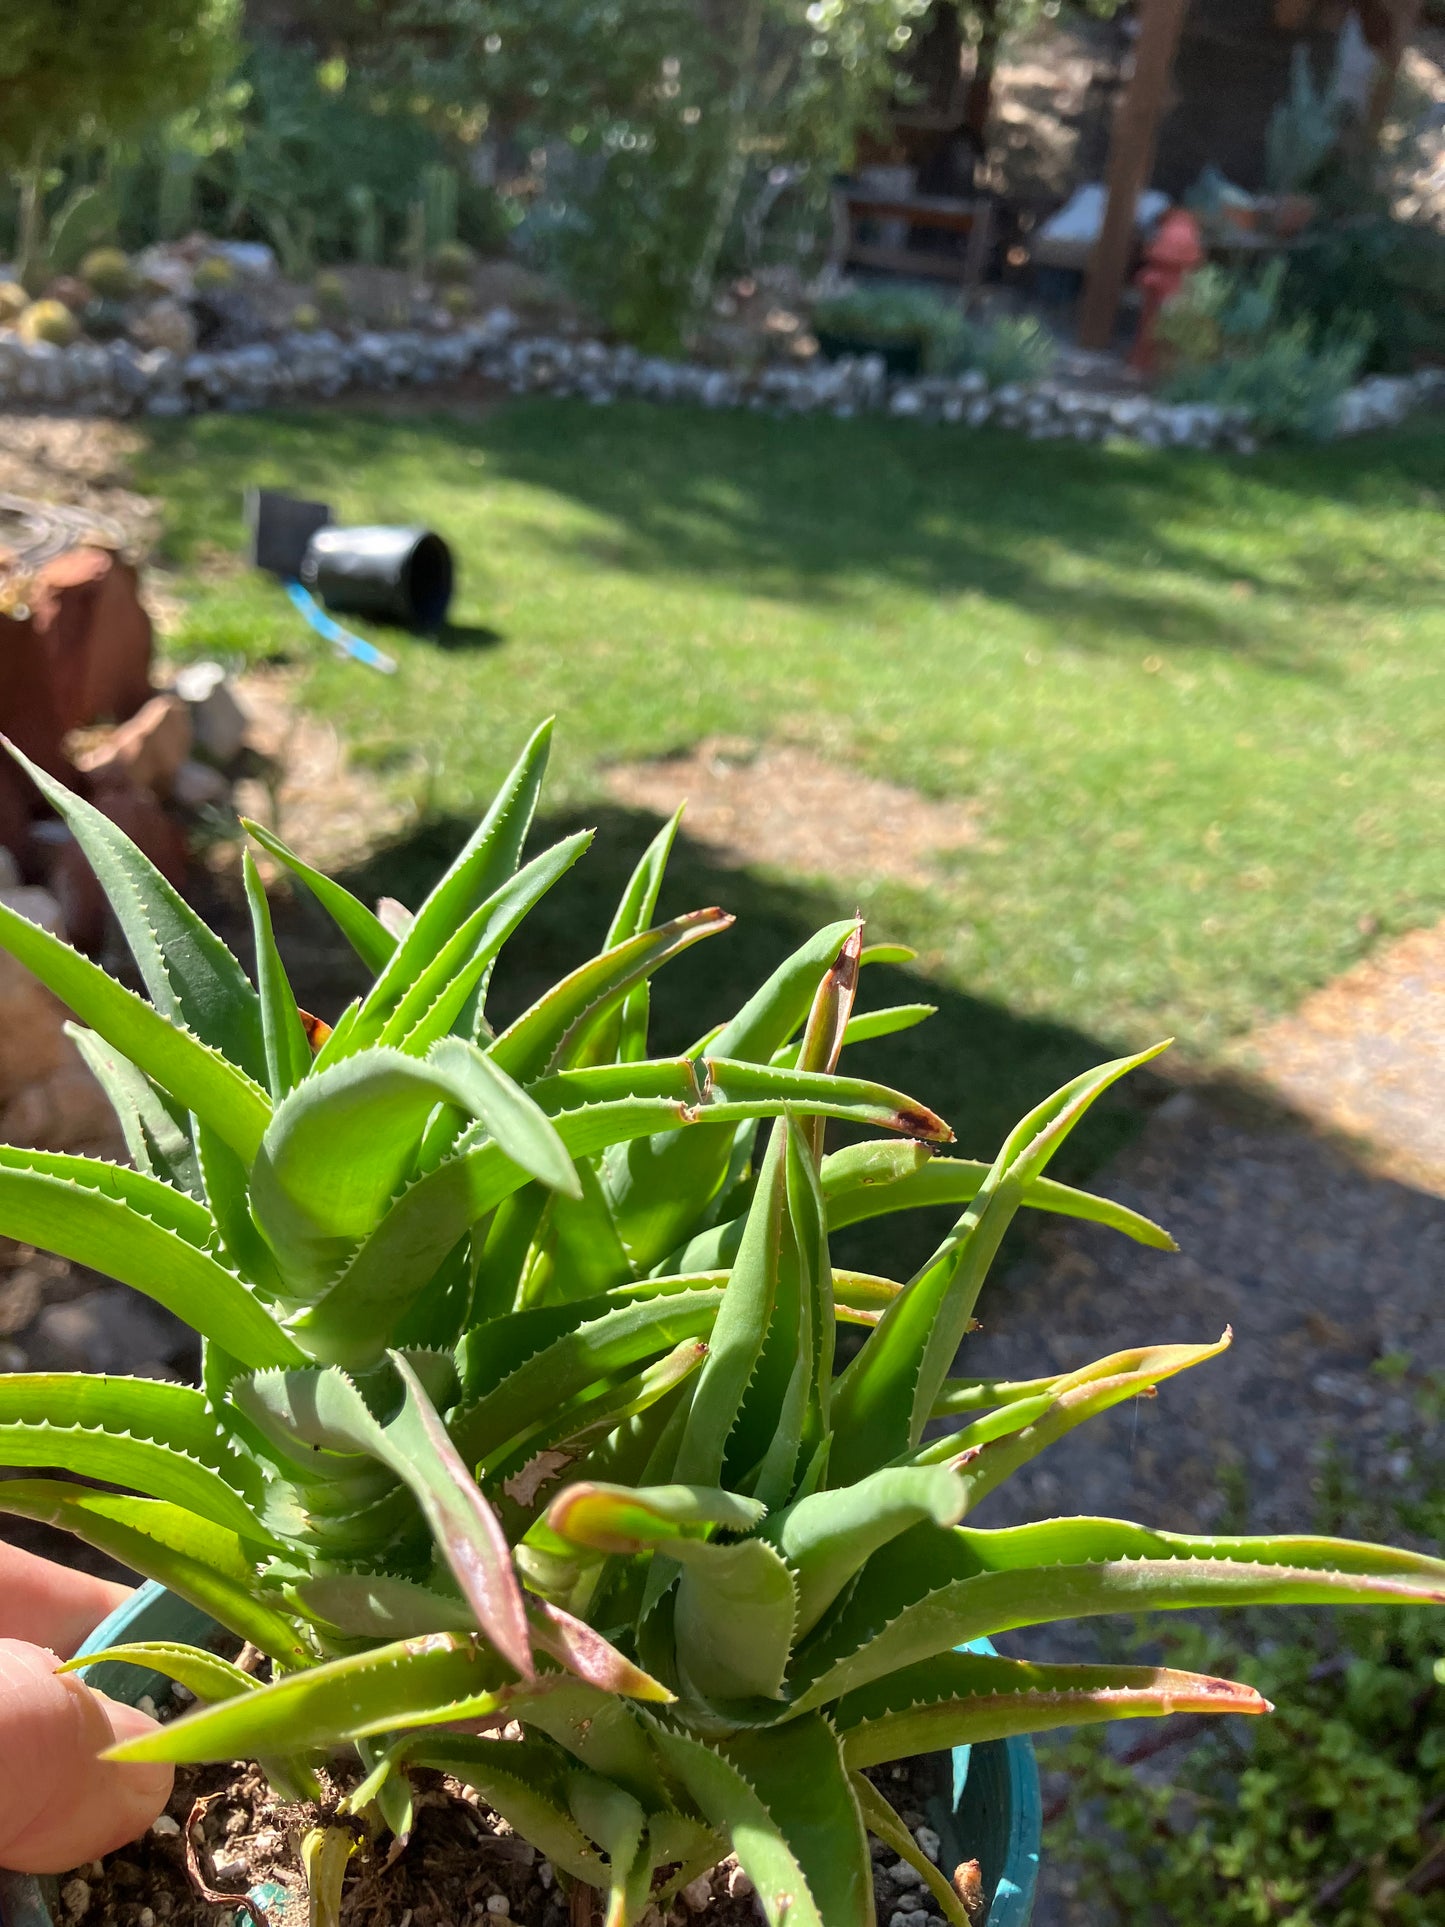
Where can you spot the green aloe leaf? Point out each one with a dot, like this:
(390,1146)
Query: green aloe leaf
(990,1450)
(338,1149)
(526,1782)
(741,1328)
(190,974)
(598,1346)
(930,1591)
(205,1674)
(325,1410)
(377,1605)
(628,1519)
(197,1559)
(829,1536)
(434,1002)
(362,928)
(462,1522)
(733,1808)
(128,1431)
(136,1229)
(864,1026)
(353,1321)
(871,1180)
(797,1771)
(620,1034)
(961,1699)
(288,1049)
(885,1396)
(481,867)
(735,1614)
(238,1243)
(515,1121)
(157,1132)
(412,1682)
(658,1186)
(886,1825)
(194,1075)
(542,1038)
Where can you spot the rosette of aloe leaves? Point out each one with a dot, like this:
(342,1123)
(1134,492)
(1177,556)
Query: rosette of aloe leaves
(519,1403)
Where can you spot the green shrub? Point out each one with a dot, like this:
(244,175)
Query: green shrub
(109,273)
(877,312)
(1384,276)
(1326,1815)
(48,321)
(950,341)
(1290,385)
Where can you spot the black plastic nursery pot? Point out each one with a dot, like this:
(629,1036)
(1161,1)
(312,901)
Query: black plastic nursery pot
(986,1806)
(393,575)
(901,358)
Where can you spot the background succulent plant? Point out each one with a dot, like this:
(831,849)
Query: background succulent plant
(519,1394)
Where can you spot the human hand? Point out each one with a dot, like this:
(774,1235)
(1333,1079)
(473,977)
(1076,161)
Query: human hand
(59,1803)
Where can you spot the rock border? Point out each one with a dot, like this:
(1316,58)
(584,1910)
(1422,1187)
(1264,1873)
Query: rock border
(121,379)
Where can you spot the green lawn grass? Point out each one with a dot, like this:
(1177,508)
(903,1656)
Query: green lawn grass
(1198,702)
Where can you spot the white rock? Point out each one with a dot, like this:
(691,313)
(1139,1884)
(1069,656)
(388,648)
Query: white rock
(929,1843)
(498,1905)
(226,1865)
(903,1875)
(75,1897)
(545,1874)
(165,1826)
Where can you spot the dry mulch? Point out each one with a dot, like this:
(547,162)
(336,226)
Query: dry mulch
(1364,1057)
(784,807)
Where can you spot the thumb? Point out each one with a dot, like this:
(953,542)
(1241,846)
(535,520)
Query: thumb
(59,1803)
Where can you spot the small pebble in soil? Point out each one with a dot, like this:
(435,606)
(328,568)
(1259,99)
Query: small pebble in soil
(145,1918)
(902,1875)
(165,1826)
(147,1705)
(545,1873)
(75,1897)
(697,1894)
(928,1842)
(228,1866)
(498,1904)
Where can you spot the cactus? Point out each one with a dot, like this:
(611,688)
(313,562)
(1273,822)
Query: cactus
(49,321)
(439,190)
(366,229)
(452,264)
(108,273)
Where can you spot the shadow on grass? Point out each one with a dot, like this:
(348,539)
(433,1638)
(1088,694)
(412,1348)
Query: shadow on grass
(1099,540)
(980,1065)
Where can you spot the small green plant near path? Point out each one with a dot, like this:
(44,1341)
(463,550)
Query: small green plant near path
(1195,701)
(519,1393)
(1332,1814)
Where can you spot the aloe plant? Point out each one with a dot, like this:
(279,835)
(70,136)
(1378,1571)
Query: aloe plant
(519,1399)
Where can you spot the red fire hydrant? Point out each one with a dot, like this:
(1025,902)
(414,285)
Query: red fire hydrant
(1174,252)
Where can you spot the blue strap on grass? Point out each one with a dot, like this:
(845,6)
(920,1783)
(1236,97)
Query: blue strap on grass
(345,643)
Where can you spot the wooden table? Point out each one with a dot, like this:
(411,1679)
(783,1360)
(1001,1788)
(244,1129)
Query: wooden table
(972,220)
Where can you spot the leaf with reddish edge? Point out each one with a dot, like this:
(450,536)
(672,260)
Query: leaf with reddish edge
(959,1699)
(464,1524)
(595,1660)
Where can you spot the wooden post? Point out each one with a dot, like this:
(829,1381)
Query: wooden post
(1131,161)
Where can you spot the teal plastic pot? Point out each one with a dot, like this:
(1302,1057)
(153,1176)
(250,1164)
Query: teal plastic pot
(986,1805)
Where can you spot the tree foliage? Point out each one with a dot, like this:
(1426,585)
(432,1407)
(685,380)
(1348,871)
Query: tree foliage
(93,68)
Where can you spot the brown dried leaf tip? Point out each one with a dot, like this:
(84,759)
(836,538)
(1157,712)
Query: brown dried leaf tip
(968,1885)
